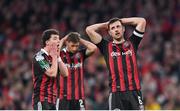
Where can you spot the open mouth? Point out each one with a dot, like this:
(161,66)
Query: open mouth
(117,33)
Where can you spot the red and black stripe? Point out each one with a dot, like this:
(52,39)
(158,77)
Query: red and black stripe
(63,80)
(136,73)
(77,81)
(123,68)
(44,86)
(111,67)
(72,86)
(81,77)
(69,82)
(120,67)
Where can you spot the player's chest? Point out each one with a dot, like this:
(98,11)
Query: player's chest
(73,61)
(121,50)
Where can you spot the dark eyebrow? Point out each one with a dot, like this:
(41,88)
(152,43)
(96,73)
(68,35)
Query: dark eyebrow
(112,27)
(55,37)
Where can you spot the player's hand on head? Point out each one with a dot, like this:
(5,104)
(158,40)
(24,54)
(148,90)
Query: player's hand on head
(62,41)
(64,38)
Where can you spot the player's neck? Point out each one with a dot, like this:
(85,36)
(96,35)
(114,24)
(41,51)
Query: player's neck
(118,41)
(46,49)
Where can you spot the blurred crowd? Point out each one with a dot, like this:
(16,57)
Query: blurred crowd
(23,21)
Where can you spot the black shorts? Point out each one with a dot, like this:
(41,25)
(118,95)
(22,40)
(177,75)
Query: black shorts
(45,105)
(65,104)
(128,100)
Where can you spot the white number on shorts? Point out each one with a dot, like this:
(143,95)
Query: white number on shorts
(81,103)
(140,101)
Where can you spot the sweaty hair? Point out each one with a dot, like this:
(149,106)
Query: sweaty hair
(113,20)
(73,37)
(47,35)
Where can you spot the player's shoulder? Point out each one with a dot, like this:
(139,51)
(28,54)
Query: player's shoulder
(64,50)
(39,56)
(104,41)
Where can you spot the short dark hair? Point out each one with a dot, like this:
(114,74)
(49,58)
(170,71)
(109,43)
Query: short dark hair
(47,35)
(73,37)
(113,20)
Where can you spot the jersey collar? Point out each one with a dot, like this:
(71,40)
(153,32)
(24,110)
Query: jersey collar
(44,51)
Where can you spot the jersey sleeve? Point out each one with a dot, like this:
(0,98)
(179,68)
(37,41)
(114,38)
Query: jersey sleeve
(83,52)
(41,63)
(103,46)
(136,38)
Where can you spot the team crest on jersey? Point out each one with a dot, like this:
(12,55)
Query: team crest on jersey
(39,58)
(126,45)
(77,55)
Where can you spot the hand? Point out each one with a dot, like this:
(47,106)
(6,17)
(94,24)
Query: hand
(62,41)
(54,50)
(64,38)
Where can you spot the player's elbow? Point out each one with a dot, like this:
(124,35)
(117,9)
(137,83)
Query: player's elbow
(143,21)
(88,30)
(94,47)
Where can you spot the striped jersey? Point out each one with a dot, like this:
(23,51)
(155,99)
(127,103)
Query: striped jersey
(44,87)
(72,86)
(122,63)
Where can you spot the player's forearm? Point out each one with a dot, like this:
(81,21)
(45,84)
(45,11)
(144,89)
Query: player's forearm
(90,46)
(97,26)
(61,43)
(139,22)
(62,67)
(133,20)
(93,34)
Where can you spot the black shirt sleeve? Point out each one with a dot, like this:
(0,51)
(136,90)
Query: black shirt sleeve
(103,46)
(40,63)
(136,38)
(83,52)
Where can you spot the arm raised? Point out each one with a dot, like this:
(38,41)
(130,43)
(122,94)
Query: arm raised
(90,46)
(93,34)
(139,22)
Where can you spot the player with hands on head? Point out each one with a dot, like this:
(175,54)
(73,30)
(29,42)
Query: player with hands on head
(120,55)
(71,88)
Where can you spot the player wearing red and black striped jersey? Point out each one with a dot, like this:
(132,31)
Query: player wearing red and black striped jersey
(44,69)
(71,88)
(120,57)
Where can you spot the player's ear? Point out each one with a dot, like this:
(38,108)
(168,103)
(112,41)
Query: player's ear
(47,43)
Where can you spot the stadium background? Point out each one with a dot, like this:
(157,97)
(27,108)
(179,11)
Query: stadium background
(21,25)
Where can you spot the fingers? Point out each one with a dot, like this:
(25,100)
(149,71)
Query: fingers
(54,49)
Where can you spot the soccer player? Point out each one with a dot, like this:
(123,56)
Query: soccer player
(71,88)
(120,56)
(44,69)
